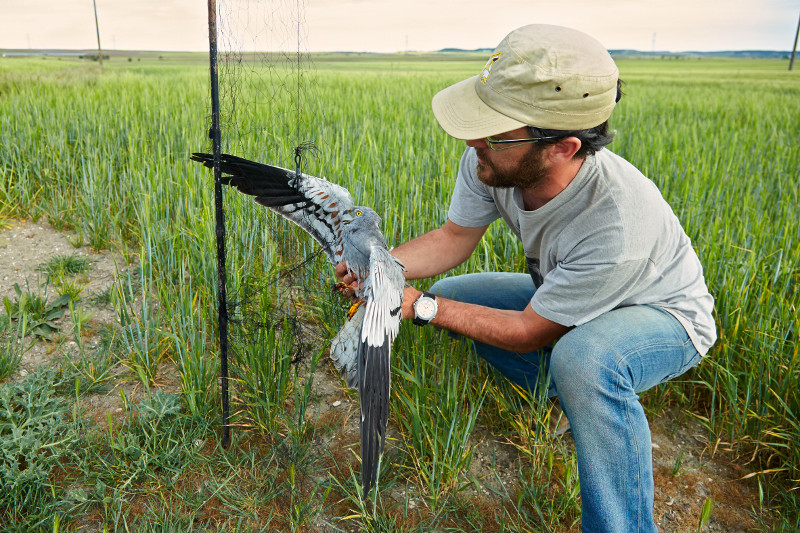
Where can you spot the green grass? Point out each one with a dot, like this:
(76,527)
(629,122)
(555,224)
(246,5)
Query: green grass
(11,345)
(63,272)
(106,154)
(60,266)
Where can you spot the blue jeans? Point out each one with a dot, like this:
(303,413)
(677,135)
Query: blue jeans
(596,370)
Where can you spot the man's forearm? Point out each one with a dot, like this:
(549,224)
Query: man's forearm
(438,251)
(420,260)
(517,331)
(449,246)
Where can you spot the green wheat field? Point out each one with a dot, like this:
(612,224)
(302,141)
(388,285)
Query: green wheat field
(105,155)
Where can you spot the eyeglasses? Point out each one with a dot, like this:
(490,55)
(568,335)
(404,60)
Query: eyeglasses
(492,142)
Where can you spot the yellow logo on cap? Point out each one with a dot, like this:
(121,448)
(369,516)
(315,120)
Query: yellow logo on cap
(487,69)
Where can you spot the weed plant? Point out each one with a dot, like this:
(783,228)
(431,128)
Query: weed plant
(36,435)
(36,311)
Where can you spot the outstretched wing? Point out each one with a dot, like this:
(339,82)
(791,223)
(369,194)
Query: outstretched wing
(384,296)
(314,204)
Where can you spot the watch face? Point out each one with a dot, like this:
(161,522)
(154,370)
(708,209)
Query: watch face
(425,308)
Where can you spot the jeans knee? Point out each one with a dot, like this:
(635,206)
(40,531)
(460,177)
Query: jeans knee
(582,370)
(444,287)
(568,361)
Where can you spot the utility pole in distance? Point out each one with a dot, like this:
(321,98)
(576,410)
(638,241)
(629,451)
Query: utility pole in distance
(794,48)
(97,26)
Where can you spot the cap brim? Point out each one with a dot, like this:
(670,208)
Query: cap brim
(463,115)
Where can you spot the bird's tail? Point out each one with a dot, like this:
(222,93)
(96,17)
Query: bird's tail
(373,391)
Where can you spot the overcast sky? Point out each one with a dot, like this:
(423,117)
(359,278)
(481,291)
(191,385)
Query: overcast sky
(396,25)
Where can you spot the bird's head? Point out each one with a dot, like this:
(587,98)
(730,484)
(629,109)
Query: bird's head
(362,216)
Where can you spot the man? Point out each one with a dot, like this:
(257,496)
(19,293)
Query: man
(614,281)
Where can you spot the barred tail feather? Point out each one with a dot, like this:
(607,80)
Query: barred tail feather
(373,391)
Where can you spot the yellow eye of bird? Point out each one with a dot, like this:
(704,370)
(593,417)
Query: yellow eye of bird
(358,213)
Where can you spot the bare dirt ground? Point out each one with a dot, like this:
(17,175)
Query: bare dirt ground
(677,439)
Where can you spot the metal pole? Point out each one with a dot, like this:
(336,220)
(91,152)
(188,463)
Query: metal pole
(97,26)
(794,48)
(216,142)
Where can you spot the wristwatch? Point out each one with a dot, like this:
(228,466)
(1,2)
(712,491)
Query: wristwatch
(425,309)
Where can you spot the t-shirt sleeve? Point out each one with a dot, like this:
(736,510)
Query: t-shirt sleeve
(575,293)
(471,205)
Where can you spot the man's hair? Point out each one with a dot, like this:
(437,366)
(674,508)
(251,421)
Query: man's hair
(592,140)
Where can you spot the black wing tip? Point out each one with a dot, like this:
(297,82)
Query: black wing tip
(228,159)
(271,183)
(201,157)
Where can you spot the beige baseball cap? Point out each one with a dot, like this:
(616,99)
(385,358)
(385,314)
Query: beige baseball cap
(540,75)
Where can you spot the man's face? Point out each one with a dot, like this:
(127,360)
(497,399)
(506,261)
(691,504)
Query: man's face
(522,166)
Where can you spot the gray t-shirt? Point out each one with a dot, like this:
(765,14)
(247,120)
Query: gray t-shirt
(608,240)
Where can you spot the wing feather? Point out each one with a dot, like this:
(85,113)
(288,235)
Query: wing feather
(384,295)
(314,204)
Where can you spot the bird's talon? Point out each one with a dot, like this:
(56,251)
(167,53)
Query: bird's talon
(344,289)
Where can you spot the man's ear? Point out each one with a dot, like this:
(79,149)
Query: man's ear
(564,149)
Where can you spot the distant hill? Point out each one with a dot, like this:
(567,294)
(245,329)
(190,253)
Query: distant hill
(761,54)
(464,50)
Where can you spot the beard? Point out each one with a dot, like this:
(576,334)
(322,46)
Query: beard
(530,172)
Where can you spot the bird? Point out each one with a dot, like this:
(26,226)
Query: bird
(348,233)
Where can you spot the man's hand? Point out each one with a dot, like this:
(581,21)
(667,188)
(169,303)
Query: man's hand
(347,281)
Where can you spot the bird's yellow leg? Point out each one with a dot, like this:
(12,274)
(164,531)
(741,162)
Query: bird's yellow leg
(354,308)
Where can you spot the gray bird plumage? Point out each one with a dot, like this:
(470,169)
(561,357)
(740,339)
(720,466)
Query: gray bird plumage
(362,349)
